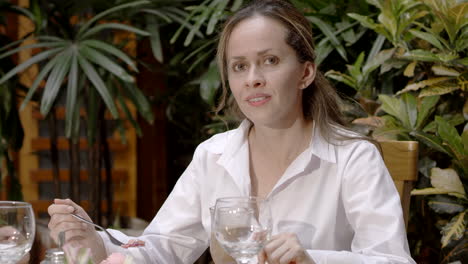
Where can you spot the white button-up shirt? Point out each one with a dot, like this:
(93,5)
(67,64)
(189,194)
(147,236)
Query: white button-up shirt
(338,198)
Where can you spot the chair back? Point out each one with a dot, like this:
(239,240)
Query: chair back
(401,159)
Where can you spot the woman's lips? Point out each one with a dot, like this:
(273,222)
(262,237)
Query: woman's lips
(258,100)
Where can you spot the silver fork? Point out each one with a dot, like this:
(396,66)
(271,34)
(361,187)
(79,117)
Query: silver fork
(114,240)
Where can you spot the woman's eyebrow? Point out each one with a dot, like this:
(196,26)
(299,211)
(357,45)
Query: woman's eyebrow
(262,52)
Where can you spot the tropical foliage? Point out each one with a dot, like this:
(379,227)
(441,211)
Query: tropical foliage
(428,52)
(11,139)
(78,61)
(11,131)
(78,56)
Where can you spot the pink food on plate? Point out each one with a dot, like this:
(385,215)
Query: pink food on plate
(134,243)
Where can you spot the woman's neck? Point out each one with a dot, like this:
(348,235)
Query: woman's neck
(281,144)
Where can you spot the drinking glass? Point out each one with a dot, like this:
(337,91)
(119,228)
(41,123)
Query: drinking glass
(242,226)
(218,254)
(17,230)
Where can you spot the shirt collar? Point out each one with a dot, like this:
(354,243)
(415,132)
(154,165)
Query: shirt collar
(234,151)
(235,156)
(321,148)
(236,138)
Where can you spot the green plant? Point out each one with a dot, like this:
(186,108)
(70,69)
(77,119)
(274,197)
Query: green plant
(429,60)
(11,130)
(361,76)
(11,139)
(79,57)
(78,60)
(394,19)
(443,146)
(447,57)
(336,32)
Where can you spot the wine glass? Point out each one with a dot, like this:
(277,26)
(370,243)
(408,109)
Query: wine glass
(242,226)
(17,230)
(217,252)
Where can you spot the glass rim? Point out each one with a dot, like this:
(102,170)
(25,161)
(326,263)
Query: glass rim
(14,204)
(230,208)
(242,198)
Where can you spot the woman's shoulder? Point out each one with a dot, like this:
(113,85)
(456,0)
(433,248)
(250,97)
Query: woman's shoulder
(231,139)
(217,143)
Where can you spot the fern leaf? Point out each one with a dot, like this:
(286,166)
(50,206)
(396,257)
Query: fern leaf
(438,90)
(444,71)
(447,179)
(418,85)
(455,229)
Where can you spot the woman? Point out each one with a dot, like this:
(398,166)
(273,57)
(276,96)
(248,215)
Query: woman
(332,198)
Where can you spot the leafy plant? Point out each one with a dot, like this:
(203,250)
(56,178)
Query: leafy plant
(11,130)
(447,57)
(360,74)
(11,139)
(394,19)
(157,15)
(408,115)
(428,61)
(446,184)
(78,60)
(336,32)
(410,118)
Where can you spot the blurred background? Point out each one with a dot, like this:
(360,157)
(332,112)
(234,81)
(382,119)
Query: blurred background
(104,102)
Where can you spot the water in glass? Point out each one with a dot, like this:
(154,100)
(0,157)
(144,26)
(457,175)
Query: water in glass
(242,226)
(217,252)
(17,230)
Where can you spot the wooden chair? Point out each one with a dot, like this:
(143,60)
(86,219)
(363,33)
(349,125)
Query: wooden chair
(401,158)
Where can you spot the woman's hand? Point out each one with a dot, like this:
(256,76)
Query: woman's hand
(284,248)
(77,233)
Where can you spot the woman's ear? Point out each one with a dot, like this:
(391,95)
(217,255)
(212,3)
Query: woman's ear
(308,75)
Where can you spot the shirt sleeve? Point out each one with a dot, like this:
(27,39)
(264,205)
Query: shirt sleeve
(176,234)
(373,209)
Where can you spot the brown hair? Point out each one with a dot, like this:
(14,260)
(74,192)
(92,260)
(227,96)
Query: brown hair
(320,101)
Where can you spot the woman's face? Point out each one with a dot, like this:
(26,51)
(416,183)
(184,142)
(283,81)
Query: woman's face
(264,73)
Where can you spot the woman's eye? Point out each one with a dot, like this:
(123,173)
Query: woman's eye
(271,60)
(239,67)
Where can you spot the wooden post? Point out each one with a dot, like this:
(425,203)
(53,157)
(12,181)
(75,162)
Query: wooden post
(153,186)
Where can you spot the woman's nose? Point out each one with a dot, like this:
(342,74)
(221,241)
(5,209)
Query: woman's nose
(255,78)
